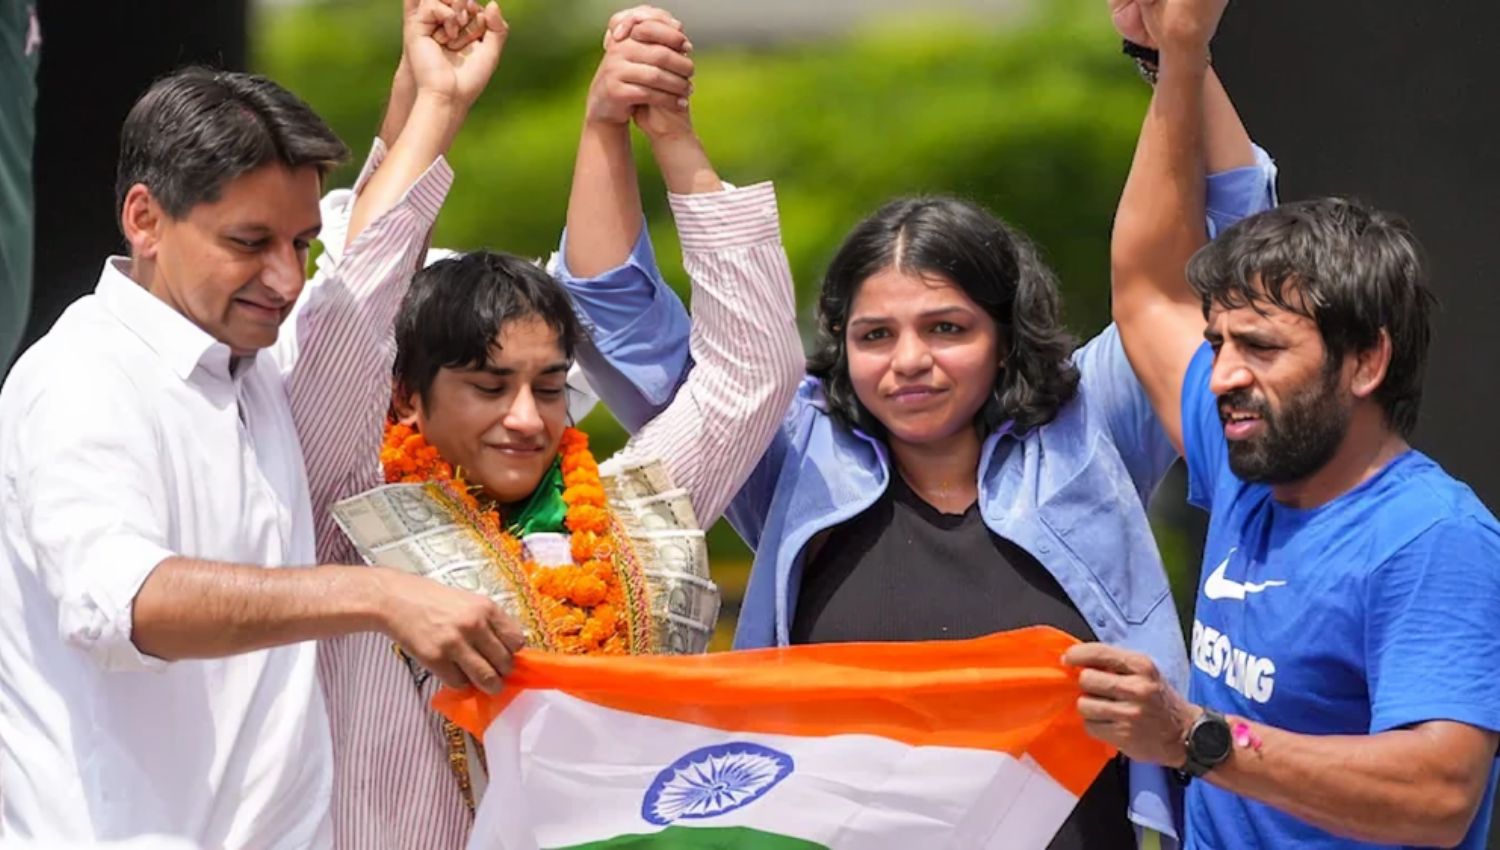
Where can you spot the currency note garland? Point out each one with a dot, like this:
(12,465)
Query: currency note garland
(586,608)
(598,605)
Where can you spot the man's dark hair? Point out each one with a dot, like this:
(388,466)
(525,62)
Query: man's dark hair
(994,264)
(1352,270)
(193,132)
(453,312)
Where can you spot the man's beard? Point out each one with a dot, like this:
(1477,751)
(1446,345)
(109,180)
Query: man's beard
(1297,440)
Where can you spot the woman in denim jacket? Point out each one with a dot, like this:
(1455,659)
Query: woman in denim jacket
(945,419)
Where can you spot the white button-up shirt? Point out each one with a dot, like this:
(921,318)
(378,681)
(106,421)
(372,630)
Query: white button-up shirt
(128,435)
(124,440)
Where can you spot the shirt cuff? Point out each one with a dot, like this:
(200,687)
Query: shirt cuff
(423,198)
(1241,192)
(617,293)
(1411,713)
(336,207)
(100,618)
(372,162)
(641,258)
(733,218)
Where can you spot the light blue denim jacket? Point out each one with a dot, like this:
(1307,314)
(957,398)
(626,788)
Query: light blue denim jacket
(1072,492)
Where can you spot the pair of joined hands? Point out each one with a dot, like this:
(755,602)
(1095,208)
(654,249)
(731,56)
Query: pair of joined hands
(451,48)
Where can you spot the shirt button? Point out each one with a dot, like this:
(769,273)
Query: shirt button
(1045,549)
(1100,622)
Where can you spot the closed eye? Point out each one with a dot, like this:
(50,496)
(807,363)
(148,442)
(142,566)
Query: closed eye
(487,390)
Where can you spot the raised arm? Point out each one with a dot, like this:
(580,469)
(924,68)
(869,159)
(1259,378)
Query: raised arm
(637,353)
(645,63)
(446,84)
(745,347)
(1190,126)
(339,387)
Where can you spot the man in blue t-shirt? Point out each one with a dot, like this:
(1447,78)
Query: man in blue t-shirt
(1343,690)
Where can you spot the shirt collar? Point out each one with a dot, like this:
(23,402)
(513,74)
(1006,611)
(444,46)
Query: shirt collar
(182,345)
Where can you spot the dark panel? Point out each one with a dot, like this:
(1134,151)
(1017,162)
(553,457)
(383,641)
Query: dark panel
(1397,104)
(93,68)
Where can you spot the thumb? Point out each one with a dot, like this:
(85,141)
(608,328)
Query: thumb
(487,48)
(498,28)
(495,19)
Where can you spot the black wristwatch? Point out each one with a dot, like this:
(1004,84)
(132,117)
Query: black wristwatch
(1209,742)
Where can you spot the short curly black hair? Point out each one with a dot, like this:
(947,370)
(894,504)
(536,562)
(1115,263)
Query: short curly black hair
(995,264)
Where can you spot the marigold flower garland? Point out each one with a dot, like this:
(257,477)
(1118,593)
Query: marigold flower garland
(581,604)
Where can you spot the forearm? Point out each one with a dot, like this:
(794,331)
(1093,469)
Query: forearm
(604,207)
(1396,787)
(1227,144)
(685,166)
(429,132)
(195,609)
(398,108)
(339,385)
(1159,223)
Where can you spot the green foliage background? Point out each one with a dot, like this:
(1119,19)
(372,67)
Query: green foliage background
(1034,115)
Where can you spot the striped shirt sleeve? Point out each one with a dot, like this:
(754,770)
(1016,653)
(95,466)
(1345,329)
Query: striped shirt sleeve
(744,342)
(339,385)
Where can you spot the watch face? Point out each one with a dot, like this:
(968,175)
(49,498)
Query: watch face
(1211,740)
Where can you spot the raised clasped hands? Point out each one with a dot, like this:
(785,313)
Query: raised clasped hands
(452,47)
(646,74)
(1186,25)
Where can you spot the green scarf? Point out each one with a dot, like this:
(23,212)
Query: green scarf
(544,509)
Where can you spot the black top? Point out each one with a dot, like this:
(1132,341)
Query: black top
(904,571)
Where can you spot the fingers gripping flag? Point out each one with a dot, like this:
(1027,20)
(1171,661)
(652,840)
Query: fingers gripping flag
(972,744)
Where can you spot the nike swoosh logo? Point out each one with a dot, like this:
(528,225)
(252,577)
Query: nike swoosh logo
(1219,587)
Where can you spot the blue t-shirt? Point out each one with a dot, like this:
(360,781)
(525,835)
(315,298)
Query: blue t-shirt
(1377,610)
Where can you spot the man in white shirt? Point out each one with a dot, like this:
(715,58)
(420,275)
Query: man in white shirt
(157,609)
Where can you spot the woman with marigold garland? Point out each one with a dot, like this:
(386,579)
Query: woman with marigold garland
(476,415)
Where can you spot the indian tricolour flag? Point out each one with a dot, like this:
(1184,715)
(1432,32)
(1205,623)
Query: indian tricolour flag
(965,744)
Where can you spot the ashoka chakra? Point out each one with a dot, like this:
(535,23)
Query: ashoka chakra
(712,781)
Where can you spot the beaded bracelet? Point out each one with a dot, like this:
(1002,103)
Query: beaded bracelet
(1147,59)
